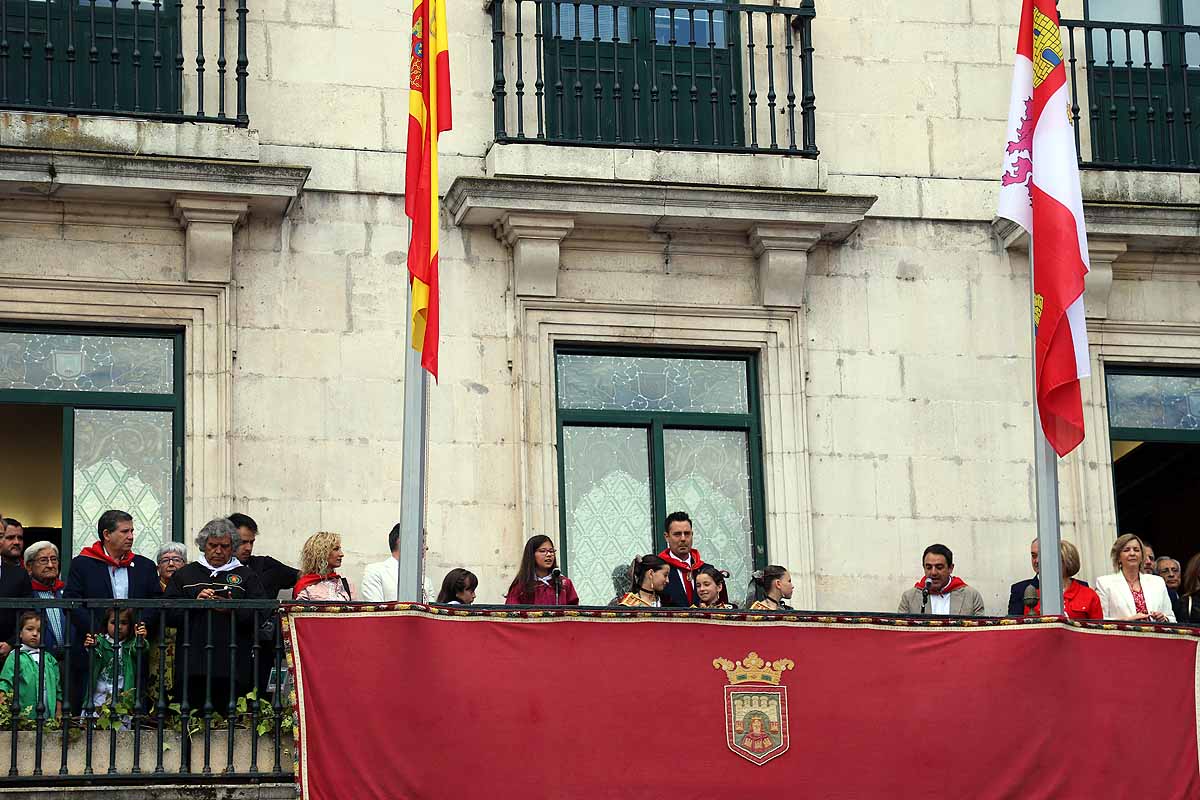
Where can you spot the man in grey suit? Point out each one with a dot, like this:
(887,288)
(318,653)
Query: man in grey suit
(941,592)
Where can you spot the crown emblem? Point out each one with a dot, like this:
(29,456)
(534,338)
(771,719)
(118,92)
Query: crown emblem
(752,669)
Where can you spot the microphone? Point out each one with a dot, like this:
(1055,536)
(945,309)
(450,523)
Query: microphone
(928,586)
(556,579)
(925,594)
(1032,597)
(556,574)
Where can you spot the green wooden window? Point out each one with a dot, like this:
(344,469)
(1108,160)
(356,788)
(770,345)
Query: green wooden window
(68,79)
(1151,75)
(664,52)
(1153,405)
(645,433)
(121,397)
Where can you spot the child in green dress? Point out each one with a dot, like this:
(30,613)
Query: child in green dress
(114,645)
(37,667)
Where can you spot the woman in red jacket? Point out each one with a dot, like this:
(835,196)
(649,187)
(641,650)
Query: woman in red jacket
(1079,601)
(539,581)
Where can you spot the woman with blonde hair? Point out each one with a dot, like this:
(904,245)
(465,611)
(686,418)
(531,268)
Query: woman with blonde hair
(1079,602)
(1131,594)
(319,561)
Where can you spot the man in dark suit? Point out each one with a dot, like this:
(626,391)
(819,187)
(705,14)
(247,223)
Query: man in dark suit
(107,569)
(275,576)
(1016,594)
(14,582)
(684,561)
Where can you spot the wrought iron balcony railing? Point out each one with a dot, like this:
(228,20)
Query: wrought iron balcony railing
(1135,93)
(129,58)
(708,75)
(203,697)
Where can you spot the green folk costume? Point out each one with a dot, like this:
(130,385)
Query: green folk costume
(29,677)
(102,668)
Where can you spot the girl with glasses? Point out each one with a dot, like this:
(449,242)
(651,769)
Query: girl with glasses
(539,581)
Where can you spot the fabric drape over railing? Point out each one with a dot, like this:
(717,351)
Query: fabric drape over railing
(590,704)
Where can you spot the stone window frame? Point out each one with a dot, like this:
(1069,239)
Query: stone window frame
(203,312)
(1087,496)
(774,334)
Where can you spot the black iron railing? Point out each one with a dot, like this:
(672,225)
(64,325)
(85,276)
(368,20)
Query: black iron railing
(1135,93)
(130,58)
(661,74)
(204,695)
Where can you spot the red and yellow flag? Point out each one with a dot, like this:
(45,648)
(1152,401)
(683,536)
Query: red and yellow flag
(428,116)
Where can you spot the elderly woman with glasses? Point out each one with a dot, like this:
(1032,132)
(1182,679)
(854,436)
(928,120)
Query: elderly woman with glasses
(538,581)
(170,557)
(42,563)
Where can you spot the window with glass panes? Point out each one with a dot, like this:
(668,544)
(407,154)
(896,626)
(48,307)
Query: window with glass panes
(120,396)
(644,433)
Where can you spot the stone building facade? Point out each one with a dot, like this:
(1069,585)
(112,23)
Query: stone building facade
(878,316)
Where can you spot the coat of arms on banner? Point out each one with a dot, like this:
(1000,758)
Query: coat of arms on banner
(756,713)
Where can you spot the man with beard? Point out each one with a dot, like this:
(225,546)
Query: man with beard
(275,576)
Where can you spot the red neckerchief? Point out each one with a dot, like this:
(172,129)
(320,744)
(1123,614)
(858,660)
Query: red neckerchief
(38,586)
(304,581)
(955,583)
(97,551)
(685,568)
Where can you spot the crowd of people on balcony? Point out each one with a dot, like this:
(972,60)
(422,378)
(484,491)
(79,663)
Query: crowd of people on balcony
(211,650)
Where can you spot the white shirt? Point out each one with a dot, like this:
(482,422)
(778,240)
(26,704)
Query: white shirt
(379,581)
(940,603)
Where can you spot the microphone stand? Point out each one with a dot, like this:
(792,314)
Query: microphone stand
(925,594)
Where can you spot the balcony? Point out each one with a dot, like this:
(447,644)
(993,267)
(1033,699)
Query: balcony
(1135,94)
(230,724)
(147,59)
(706,75)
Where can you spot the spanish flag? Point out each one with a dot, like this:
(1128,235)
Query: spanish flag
(428,116)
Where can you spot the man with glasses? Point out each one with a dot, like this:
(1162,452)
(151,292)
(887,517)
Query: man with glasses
(42,564)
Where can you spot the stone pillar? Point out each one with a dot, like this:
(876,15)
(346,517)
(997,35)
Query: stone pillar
(782,254)
(209,223)
(1102,253)
(535,240)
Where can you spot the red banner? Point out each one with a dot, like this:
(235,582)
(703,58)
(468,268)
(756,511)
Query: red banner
(410,702)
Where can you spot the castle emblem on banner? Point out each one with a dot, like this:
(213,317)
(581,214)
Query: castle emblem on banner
(1047,46)
(756,712)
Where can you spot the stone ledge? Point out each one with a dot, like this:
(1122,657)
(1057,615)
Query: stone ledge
(534,216)
(628,165)
(129,136)
(124,178)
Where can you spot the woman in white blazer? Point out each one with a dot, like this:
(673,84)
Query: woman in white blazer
(1130,594)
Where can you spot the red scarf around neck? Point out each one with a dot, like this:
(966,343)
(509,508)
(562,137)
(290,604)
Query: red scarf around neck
(308,579)
(955,583)
(38,586)
(96,550)
(687,569)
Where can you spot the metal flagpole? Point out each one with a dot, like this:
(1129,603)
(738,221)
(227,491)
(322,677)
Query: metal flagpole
(412,477)
(1045,476)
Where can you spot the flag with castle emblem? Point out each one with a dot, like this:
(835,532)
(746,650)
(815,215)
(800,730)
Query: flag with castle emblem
(428,116)
(1040,192)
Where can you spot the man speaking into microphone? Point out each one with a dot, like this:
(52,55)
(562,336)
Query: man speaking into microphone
(939,591)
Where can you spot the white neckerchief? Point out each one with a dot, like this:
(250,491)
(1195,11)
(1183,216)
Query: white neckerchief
(545,579)
(232,564)
(33,652)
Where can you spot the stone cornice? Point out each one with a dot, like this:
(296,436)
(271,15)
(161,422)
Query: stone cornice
(266,189)
(485,201)
(533,216)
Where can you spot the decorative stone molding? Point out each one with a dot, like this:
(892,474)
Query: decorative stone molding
(1161,230)
(535,240)
(782,253)
(534,215)
(774,333)
(1102,254)
(205,312)
(209,223)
